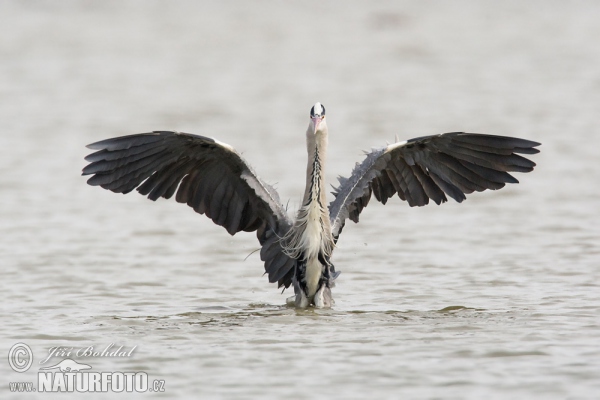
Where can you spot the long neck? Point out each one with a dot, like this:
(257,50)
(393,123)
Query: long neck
(316,145)
(313,217)
(311,234)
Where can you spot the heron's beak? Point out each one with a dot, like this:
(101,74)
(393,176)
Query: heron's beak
(316,122)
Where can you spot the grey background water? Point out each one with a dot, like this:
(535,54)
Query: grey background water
(495,297)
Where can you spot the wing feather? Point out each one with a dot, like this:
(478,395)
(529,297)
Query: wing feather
(431,190)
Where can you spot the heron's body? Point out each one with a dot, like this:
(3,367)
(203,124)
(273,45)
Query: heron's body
(211,177)
(310,241)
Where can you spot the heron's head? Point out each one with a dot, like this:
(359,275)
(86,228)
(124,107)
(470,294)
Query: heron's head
(317,117)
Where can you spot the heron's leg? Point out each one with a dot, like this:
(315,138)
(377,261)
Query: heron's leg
(319,297)
(323,297)
(328,298)
(300,299)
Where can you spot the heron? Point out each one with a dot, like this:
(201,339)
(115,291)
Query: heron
(214,179)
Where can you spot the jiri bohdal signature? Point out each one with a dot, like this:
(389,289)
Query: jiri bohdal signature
(91,351)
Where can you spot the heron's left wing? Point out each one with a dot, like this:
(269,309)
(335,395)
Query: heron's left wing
(430,167)
(207,175)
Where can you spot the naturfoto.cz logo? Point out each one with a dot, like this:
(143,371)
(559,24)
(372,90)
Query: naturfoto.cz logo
(69,375)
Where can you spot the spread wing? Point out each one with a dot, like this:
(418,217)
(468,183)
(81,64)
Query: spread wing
(209,176)
(430,167)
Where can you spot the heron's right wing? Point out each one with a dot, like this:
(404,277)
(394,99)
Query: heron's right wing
(430,167)
(209,176)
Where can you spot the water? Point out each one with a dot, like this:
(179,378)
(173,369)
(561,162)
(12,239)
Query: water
(495,297)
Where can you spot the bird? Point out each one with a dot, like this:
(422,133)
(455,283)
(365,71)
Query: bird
(214,179)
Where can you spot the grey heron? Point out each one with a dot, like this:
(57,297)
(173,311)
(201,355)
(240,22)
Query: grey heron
(213,179)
